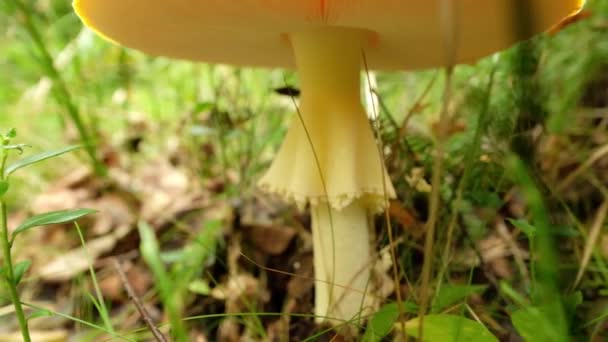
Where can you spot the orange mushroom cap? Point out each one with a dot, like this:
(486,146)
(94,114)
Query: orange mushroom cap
(403,34)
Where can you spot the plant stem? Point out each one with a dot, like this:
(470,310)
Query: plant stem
(435,204)
(9,275)
(449,41)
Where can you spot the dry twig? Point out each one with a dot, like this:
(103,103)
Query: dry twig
(594,234)
(138,304)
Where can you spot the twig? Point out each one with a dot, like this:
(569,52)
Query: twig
(518,255)
(133,297)
(415,107)
(435,204)
(595,156)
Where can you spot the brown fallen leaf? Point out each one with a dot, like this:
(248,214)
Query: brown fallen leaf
(494,251)
(502,268)
(67,192)
(240,290)
(518,254)
(405,218)
(37,336)
(302,284)
(76,261)
(229,331)
(113,212)
(278,331)
(111,288)
(298,299)
(493,247)
(138,277)
(454,127)
(270,239)
(198,336)
(165,191)
(60,199)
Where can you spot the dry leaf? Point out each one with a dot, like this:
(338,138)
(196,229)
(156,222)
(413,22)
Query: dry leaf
(301,285)
(76,261)
(229,331)
(113,212)
(37,336)
(270,239)
(240,289)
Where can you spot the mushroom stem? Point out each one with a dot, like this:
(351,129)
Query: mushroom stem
(330,159)
(329,153)
(342,261)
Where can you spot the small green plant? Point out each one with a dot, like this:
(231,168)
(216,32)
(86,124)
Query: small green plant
(12,273)
(174,283)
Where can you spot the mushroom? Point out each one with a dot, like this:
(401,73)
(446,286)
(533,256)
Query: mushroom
(329,158)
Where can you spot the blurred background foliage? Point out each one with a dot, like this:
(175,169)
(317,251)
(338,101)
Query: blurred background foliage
(545,100)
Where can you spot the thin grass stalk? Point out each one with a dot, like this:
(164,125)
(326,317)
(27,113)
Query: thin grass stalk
(449,34)
(387,217)
(435,200)
(472,153)
(323,184)
(545,293)
(102,308)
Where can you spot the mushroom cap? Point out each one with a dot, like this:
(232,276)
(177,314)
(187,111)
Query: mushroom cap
(403,34)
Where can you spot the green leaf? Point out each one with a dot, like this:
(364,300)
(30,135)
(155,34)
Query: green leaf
(508,291)
(449,328)
(571,302)
(565,231)
(54,217)
(534,326)
(525,227)
(381,323)
(200,287)
(40,313)
(19,270)
(451,294)
(37,158)
(203,107)
(150,252)
(12,133)
(3,187)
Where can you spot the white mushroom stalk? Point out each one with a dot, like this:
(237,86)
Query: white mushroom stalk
(330,159)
